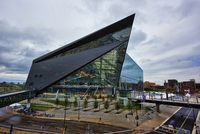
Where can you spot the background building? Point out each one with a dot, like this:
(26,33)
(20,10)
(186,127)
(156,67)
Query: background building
(172,85)
(184,87)
(188,86)
(198,87)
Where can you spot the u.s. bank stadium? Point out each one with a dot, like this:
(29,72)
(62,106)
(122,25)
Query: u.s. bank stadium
(95,63)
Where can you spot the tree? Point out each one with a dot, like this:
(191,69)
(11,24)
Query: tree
(66,102)
(117,105)
(110,98)
(100,96)
(85,103)
(106,104)
(57,101)
(129,106)
(95,97)
(87,97)
(103,98)
(96,103)
(75,102)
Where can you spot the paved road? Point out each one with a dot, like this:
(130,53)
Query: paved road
(182,119)
(73,127)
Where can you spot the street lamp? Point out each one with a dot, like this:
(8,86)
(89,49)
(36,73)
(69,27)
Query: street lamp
(79,109)
(65,127)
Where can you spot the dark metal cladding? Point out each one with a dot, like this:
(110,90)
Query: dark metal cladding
(45,73)
(126,22)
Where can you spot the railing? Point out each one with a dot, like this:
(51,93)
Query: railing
(191,102)
(163,97)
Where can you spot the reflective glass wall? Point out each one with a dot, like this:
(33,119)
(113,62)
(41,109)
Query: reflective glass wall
(103,72)
(131,75)
(115,69)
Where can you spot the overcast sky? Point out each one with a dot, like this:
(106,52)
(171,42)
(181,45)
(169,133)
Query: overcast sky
(165,39)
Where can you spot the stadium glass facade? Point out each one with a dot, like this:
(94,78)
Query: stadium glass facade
(131,75)
(115,69)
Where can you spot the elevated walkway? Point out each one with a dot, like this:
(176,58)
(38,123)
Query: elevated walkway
(10,98)
(168,102)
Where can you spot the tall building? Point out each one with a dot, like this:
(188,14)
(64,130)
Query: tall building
(96,61)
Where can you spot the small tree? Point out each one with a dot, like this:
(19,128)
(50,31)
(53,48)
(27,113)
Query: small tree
(66,102)
(100,96)
(108,97)
(57,102)
(96,103)
(95,97)
(129,106)
(85,103)
(87,97)
(117,105)
(75,102)
(106,104)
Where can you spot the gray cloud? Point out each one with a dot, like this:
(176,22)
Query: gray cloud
(18,47)
(164,40)
(138,36)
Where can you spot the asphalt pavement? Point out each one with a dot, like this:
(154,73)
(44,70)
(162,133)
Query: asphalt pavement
(182,120)
(55,126)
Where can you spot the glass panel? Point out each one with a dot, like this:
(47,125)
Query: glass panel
(103,72)
(131,75)
(121,35)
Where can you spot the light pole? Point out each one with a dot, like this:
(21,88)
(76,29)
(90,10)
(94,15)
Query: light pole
(11,128)
(79,109)
(137,118)
(65,127)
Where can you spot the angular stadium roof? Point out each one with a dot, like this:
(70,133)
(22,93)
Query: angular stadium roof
(128,21)
(47,70)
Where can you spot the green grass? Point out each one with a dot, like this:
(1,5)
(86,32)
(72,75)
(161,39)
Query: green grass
(50,101)
(61,102)
(148,109)
(10,89)
(136,106)
(40,107)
